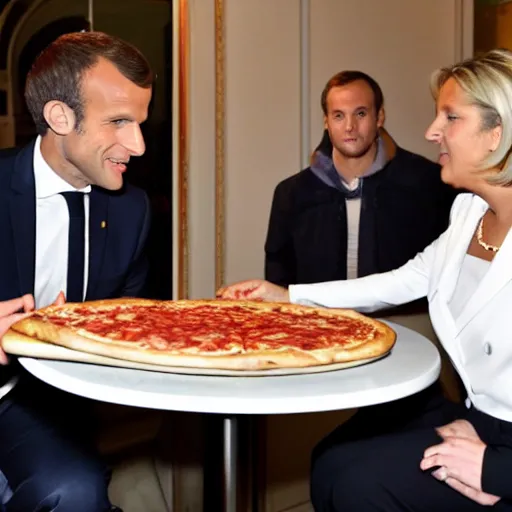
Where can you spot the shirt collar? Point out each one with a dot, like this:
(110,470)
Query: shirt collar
(323,168)
(48,182)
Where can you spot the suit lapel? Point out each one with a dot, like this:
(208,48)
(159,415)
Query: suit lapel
(498,276)
(98,229)
(23,217)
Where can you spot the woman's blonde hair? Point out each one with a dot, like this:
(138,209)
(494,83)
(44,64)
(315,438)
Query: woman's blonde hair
(487,82)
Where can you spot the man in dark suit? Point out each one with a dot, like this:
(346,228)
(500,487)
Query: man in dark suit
(69,224)
(364,206)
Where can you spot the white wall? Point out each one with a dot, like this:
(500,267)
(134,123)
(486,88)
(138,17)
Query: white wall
(202,150)
(399,42)
(262,122)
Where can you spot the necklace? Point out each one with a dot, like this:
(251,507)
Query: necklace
(480,238)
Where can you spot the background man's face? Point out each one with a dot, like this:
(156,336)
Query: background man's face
(351,119)
(114,108)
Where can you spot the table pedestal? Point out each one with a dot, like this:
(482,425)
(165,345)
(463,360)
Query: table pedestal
(230,462)
(240,472)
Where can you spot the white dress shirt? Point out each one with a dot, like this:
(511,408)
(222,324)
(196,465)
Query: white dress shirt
(353,218)
(471,274)
(52,231)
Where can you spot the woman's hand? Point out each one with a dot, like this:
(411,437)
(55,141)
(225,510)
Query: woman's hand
(255,289)
(460,459)
(9,315)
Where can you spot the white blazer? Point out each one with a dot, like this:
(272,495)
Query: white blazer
(479,340)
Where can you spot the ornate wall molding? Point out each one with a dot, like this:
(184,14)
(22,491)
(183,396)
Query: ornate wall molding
(305,93)
(182,181)
(463,30)
(220,56)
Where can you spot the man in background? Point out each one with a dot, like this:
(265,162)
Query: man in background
(365,205)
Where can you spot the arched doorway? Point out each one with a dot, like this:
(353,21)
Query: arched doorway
(11,12)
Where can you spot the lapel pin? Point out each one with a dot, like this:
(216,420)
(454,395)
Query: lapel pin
(103,224)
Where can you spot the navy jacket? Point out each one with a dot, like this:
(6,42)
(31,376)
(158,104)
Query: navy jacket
(117,264)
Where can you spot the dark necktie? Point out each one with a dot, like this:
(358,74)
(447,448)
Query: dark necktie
(76,246)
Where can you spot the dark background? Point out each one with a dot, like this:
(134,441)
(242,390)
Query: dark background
(30,25)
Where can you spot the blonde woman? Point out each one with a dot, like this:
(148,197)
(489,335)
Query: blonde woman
(450,457)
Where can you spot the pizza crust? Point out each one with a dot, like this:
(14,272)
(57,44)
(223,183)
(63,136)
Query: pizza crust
(285,357)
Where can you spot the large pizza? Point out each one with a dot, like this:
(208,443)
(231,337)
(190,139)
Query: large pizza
(219,334)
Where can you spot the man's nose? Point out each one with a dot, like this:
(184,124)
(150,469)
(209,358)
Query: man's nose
(133,140)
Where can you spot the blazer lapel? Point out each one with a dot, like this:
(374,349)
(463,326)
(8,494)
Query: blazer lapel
(23,217)
(458,249)
(98,229)
(498,276)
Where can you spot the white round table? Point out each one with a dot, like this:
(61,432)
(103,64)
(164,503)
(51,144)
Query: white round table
(413,365)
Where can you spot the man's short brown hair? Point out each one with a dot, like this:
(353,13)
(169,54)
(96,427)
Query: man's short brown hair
(57,72)
(347,77)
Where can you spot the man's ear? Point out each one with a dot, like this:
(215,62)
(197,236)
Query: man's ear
(60,118)
(381,117)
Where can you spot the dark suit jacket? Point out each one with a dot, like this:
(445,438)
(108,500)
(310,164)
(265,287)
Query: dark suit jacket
(405,206)
(117,264)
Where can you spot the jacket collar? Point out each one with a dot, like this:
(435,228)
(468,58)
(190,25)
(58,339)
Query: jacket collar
(23,217)
(22,180)
(390,146)
(498,275)
(323,168)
